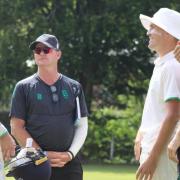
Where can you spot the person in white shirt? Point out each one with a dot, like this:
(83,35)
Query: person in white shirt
(161,109)
(7,147)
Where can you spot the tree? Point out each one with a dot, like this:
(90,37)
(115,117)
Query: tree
(102,41)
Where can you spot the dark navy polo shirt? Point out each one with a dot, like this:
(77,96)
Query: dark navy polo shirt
(50,123)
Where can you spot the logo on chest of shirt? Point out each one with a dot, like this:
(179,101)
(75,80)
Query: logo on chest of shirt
(65,94)
(39,96)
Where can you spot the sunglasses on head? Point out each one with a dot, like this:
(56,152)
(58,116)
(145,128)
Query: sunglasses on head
(55,97)
(46,50)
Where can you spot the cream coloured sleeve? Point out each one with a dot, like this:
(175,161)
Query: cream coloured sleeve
(79,136)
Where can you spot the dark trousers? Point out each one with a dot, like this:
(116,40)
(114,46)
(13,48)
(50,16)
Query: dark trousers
(71,171)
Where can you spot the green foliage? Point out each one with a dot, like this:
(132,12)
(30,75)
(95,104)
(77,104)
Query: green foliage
(102,41)
(108,123)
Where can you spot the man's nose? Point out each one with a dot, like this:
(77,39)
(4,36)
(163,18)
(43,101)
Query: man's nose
(42,52)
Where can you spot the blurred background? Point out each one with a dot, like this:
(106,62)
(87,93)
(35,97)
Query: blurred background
(103,46)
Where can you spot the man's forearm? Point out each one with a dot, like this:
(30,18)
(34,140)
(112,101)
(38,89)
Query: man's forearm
(165,132)
(80,136)
(21,134)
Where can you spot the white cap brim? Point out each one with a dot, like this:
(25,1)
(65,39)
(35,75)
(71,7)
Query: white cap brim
(146,21)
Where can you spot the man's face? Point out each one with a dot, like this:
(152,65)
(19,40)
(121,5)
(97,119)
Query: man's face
(156,37)
(45,56)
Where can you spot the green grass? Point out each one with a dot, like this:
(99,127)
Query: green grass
(107,172)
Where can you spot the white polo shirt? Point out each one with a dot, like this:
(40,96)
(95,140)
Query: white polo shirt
(164,86)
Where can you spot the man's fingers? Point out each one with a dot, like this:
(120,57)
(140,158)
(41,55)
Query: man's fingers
(143,175)
(57,163)
(12,152)
(7,155)
(54,161)
(174,158)
(8,152)
(146,177)
(138,173)
(150,176)
(172,154)
(137,150)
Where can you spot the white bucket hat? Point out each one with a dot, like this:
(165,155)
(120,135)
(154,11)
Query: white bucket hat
(166,19)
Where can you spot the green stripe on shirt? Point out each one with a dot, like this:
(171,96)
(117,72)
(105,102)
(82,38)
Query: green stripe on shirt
(3,133)
(172,98)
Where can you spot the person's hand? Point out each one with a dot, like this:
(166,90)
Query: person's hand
(177,51)
(147,169)
(58,159)
(7,146)
(137,145)
(172,149)
(137,149)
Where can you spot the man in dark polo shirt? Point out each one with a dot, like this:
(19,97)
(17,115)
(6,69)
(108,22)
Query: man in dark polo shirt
(51,108)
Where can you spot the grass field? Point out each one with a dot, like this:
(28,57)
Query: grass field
(107,172)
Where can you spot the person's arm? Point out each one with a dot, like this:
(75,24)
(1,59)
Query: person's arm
(20,133)
(59,159)
(79,136)
(137,144)
(146,170)
(7,143)
(177,51)
(173,146)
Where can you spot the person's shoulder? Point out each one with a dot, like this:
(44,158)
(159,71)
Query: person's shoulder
(172,67)
(74,85)
(28,80)
(69,80)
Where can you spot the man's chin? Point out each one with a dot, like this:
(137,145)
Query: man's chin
(150,46)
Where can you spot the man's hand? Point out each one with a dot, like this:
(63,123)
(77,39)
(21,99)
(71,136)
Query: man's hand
(137,145)
(58,159)
(172,148)
(177,51)
(7,146)
(147,169)
(137,149)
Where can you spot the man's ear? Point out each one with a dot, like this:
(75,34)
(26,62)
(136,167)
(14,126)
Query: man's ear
(177,51)
(59,54)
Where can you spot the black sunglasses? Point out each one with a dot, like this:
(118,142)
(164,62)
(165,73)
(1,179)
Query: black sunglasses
(55,97)
(38,50)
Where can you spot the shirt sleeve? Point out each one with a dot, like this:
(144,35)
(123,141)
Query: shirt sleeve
(3,130)
(171,83)
(82,101)
(18,105)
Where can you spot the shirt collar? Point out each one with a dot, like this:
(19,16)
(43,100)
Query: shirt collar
(160,61)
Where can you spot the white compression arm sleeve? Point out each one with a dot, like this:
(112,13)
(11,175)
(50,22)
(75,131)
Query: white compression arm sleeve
(79,136)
